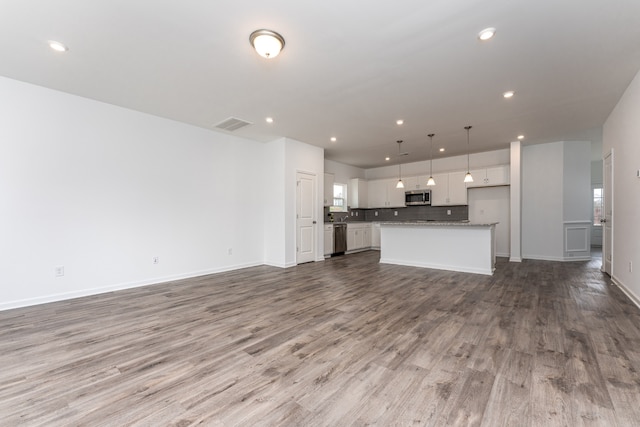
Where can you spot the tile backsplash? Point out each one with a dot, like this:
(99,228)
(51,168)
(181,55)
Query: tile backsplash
(410,213)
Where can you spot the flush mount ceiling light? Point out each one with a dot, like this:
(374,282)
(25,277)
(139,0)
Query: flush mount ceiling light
(334,139)
(468,177)
(442,150)
(520,136)
(387,158)
(267,43)
(400,184)
(431,181)
(57,46)
(486,34)
(269,119)
(508,94)
(399,122)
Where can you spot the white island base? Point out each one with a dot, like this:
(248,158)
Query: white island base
(461,246)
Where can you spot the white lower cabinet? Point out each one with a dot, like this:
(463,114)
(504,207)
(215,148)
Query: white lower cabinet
(328,239)
(358,236)
(375,235)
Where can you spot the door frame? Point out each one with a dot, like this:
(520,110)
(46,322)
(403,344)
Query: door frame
(607,229)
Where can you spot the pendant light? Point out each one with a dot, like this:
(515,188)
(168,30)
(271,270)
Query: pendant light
(400,184)
(431,181)
(468,177)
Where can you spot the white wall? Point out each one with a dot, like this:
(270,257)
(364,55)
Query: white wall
(447,164)
(301,157)
(492,204)
(101,190)
(556,200)
(576,181)
(542,201)
(272,210)
(343,173)
(621,133)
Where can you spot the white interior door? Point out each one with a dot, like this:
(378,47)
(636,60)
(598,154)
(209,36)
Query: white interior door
(607,229)
(305,218)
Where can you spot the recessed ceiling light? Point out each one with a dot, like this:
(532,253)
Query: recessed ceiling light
(334,139)
(441,150)
(57,46)
(520,136)
(387,158)
(399,122)
(269,119)
(487,33)
(508,94)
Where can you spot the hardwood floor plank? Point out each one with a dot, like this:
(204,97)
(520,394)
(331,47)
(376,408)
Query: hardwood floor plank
(347,341)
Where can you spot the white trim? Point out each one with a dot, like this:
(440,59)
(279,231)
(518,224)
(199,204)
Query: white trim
(118,287)
(437,266)
(587,231)
(628,292)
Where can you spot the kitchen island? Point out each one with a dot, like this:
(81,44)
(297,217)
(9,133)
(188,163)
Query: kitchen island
(455,246)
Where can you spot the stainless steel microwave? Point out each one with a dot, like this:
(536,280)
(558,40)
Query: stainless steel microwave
(417,197)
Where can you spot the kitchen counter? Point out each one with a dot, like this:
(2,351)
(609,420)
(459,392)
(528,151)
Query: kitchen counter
(456,246)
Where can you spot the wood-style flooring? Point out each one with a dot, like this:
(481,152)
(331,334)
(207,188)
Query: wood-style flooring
(345,342)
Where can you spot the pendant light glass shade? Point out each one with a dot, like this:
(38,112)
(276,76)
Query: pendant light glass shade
(400,184)
(431,181)
(468,177)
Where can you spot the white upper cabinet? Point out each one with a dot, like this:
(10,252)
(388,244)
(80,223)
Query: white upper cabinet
(358,193)
(328,189)
(384,194)
(489,177)
(450,189)
(377,192)
(395,196)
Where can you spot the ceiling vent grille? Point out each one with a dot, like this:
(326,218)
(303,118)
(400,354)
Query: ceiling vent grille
(232,124)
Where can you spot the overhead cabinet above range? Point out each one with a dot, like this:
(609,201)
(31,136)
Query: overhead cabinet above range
(384,194)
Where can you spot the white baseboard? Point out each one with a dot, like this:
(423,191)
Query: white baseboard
(558,259)
(628,292)
(458,268)
(117,287)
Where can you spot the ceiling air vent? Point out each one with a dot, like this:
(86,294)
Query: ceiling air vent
(232,124)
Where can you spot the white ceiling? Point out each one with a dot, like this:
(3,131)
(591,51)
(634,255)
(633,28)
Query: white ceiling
(349,68)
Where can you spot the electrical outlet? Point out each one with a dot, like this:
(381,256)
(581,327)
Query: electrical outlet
(375,213)
(156,260)
(351,213)
(230,251)
(59,271)
(395,213)
(448,211)
(356,213)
